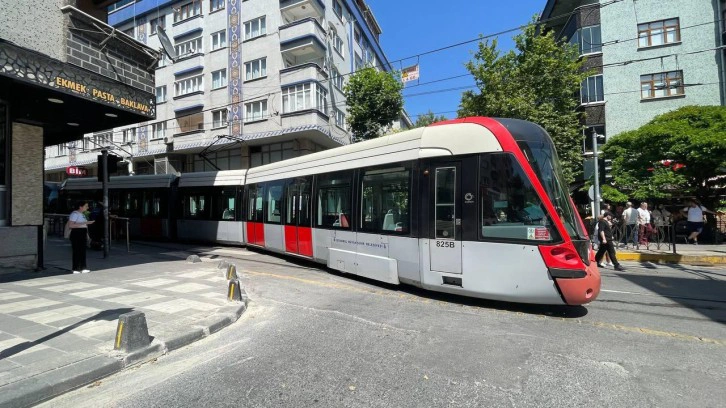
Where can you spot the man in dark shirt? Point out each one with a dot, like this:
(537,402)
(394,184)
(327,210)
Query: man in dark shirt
(605,234)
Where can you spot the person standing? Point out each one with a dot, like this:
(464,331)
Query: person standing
(630,218)
(644,227)
(605,234)
(695,219)
(79,236)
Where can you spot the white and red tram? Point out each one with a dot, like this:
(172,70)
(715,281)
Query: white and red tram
(473,206)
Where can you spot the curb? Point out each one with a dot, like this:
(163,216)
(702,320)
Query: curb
(53,383)
(672,258)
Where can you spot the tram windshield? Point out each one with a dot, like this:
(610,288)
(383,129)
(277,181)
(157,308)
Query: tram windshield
(542,157)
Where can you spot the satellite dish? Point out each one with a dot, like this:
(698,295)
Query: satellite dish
(166,43)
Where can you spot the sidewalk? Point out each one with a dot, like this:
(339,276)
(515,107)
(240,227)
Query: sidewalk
(57,329)
(685,254)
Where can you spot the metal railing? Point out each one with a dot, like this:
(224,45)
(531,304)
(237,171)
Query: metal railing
(55,224)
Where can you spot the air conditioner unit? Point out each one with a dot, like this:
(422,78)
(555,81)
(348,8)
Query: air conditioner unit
(168,139)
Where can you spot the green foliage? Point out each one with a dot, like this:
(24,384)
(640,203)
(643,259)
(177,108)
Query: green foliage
(538,83)
(374,101)
(427,119)
(694,136)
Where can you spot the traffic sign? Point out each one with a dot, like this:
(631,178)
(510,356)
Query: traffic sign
(77,171)
(591,193)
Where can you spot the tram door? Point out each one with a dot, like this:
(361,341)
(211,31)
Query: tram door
(298,217)
(445,216)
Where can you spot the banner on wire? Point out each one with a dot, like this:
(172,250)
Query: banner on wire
(409,73)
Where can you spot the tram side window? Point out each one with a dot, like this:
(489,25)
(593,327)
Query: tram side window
(334,198)
(197,206)
(385,200)
(132,204)
(274,202)
(254,199)
(224,204)
(509,206)
(154,203)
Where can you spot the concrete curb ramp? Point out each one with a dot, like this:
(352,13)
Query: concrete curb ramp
(672,258)
(50,384)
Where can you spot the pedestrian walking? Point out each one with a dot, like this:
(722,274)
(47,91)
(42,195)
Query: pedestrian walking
(630,218)
(78,223)
(695,213)
(605,234)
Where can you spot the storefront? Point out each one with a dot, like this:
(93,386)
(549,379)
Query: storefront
(72,76)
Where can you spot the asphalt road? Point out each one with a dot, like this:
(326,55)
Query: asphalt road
(655,337)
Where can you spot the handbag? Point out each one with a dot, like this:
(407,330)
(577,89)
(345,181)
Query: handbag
(67,230)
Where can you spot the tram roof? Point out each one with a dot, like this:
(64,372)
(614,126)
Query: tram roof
(433,141)
(141,181)
(213,178)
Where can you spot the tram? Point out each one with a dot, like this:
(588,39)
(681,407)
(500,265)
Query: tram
(474,206)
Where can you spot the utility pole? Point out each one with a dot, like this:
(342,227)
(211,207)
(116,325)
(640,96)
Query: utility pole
(104,182)
(596,183)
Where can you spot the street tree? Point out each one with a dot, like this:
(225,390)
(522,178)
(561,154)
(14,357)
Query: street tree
(682,152)
(427,119)
(537,82)
(374,101)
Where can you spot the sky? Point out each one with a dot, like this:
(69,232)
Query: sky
(413,27)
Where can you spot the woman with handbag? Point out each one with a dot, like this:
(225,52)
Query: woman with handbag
(78,224)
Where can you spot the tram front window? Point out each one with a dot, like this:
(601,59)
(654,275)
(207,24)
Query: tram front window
(510,207)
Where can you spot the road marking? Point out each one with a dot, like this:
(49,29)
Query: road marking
(617,327)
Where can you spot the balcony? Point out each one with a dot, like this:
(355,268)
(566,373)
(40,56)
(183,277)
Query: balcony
(293,10)
(302,41)
(302,73)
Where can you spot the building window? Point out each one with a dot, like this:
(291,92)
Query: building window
(219,78)
(661,85)
(128,135)
(256,111)
(189,47)
(659,33)
(190,123)
(337,79)
(299,97)
(271,153)
(157,22)
(358,62)
(592,90)
(356,34)
(161,94)
(215,5)
(158,130)
(189,85)
(219,118)
(129,32)
(340,118)
(256,69)
(219,40)
(163,61)
(62,149)
(588,40)
(255,28)
(338,9)
(338,44)
(188,10)
(101,140)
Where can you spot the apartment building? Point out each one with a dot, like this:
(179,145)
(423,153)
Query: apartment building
(647,57)
(253,82)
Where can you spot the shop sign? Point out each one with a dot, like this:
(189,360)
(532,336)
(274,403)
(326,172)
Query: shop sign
(77,171)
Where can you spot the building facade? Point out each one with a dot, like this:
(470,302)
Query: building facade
(63,73)
(647,57)
(252,82)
